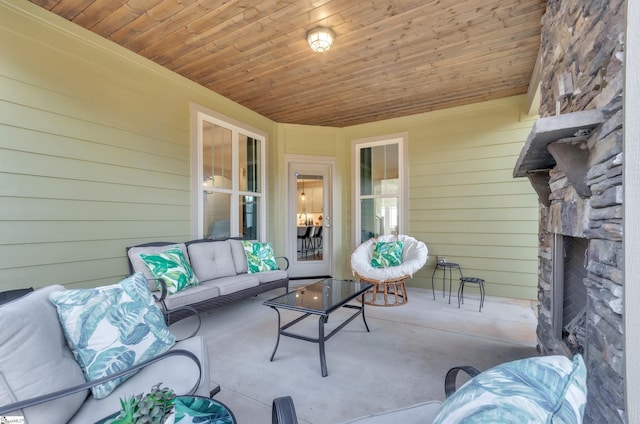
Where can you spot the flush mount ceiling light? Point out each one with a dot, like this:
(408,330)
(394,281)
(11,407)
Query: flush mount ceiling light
(320,39)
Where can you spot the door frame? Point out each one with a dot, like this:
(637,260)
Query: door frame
(328,233)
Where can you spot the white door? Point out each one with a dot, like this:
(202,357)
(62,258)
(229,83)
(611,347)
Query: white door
(310,233)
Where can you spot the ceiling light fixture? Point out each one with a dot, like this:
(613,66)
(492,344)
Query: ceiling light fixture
(320,39)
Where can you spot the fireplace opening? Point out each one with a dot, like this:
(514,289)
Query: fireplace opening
(570,292)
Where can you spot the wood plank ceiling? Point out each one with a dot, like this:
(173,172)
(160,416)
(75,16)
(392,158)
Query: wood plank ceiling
(389,59)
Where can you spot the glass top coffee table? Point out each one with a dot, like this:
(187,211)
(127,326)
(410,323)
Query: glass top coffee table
(321,298)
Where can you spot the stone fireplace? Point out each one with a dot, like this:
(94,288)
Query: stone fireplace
(573,159)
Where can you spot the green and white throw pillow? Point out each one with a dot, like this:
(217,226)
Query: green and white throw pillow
(260,256)
(171,267)
(386,254)
(112,328)
(547,389)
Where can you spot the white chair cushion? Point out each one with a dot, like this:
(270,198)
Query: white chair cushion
(414,256)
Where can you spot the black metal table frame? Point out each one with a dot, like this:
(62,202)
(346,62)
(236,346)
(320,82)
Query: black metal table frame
(444,266)
(324,317)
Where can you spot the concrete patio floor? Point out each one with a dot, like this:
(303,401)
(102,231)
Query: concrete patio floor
(402,361)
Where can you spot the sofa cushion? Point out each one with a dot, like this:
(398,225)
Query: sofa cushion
(239,257)
(172,267)
(211,260)
(228,285)
(421,413)
(138,265)
(269,276)
(177,372)
(548,389)
(203,291)
(36,359)
(386,254)
(112,328)
(260,256)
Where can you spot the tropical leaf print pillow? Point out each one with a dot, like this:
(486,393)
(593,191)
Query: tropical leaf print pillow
(260,256)
(112,328)
(386,254)
(171,267)
(547,389)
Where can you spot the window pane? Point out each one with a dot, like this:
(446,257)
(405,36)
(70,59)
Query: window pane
(216,156)
(384,165)
(249,219)
(217,215)
(250,166)
(379,170)
(378,216)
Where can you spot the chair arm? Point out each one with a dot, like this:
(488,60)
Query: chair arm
(283,411)
(163,290)
(192,310)
(81,387)
(450,379)
(286,261)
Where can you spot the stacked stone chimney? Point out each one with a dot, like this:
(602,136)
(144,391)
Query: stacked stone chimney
(582,69)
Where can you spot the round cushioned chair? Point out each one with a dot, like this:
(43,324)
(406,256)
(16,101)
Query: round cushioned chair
(388,281)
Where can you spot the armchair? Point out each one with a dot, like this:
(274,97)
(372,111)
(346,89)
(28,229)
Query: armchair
(388,280)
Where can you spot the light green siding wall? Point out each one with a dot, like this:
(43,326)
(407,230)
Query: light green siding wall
(94,157)
(463,202)
(94,151)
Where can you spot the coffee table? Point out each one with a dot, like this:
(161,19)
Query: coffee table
(321,298)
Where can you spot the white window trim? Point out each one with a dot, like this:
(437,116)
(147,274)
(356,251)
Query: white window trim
(403,172)
(198,115)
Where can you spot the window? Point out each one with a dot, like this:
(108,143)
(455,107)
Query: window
(228,179)
(380,187)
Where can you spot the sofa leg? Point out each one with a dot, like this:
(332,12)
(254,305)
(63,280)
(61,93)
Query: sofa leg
(214,391)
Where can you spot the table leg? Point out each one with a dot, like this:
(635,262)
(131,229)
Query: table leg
(433,288)
(278,339)
(450,278)
(363,318)
(323,359)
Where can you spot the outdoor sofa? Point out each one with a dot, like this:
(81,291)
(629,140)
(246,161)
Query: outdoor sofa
(222,270)
(41,377)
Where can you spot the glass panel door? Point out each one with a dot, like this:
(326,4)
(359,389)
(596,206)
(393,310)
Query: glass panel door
(309,233)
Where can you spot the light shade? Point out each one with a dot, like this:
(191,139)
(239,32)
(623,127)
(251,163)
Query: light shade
(320,39)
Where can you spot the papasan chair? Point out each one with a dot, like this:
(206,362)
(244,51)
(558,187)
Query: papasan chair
(387,277)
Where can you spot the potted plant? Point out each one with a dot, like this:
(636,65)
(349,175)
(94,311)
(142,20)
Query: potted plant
(151,408)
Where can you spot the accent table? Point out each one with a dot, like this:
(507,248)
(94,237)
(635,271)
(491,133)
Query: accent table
(444,266)
(321,298)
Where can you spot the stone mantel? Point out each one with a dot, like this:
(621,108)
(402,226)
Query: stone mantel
(558,141)
(535,154)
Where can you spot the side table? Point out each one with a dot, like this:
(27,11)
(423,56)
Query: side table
(444,266)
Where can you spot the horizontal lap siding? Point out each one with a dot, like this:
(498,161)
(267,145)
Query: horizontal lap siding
(94,152)
(464,202)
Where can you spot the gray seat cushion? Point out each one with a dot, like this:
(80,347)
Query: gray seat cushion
(269,276)
(421,413)
(176,372)
(36,359)
(228,285)
(211,260)
(203,291)
(239,257)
